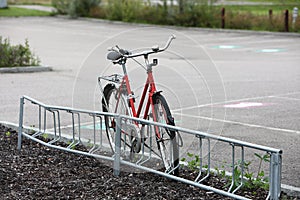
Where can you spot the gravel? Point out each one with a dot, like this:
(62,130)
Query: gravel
(39,172)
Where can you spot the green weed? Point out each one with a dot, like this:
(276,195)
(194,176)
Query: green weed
(16,55)
(250,179)
(8,133)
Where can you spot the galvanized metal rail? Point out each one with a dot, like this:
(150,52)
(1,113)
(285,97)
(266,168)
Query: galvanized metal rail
(96,144)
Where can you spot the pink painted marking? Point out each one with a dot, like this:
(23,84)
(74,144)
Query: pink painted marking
(244,105)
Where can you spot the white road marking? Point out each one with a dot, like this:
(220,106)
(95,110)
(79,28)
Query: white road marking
(241,123)
(288,98)
(232,101)
(244,105)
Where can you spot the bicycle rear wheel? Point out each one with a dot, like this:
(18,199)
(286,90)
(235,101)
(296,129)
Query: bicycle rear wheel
(113,102)
(167,139)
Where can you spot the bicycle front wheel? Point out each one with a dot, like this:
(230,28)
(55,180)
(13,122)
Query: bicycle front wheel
(166,138)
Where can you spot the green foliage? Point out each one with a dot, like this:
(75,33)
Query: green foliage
(16,55)
(250,181)
(71,145)
(8,133)
(265,158)
(75,8)
(124,10)
(62,6)
(194,163)
(81,8)
(45,136)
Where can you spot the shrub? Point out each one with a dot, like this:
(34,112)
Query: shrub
(125,10)
(81,8)
(62,6)
(17,55)
(98,12)
(75,8)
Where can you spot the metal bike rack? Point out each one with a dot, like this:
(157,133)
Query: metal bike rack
(97,144)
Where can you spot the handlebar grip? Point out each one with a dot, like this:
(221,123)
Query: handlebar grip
(124,52)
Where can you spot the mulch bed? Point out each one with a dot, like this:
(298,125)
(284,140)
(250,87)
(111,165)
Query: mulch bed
(38,172)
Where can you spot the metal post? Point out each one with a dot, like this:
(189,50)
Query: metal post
(40,118)
(223,18)
(20,123)
(275,176)
(271,17)
(201,159)
(116,170)
(295,14)
(79,126)
(286,20)
(233,169)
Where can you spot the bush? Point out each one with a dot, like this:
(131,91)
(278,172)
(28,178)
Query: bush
(75,8)
(125,10)
(17,55)
(62,6)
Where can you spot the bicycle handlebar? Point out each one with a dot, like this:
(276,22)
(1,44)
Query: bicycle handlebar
(127,54)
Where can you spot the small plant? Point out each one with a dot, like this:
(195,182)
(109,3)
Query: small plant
(71,145)
(265,158)
(8,133)
(89,143)
(194,161)
(45,136)
(260,181)
(250,181)
(32,131)
(16,55)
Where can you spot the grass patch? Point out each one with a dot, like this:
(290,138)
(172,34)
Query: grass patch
(19,12)
(30,2)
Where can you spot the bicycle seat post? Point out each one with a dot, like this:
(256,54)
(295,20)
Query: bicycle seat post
(123,63)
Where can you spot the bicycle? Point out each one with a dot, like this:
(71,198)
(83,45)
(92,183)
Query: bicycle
(119,98)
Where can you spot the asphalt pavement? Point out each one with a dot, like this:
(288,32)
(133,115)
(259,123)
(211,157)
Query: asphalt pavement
(238,84)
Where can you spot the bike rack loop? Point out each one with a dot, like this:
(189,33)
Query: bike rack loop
(275,154)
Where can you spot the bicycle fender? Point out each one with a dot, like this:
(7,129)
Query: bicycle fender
(155,94)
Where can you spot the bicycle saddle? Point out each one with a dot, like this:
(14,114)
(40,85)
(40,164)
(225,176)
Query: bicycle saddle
(113,55)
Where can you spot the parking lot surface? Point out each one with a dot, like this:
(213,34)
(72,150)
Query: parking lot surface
(242,85)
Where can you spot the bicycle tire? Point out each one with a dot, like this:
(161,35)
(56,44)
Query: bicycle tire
(168,138)
(109,100)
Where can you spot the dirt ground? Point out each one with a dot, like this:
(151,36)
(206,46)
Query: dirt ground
(38,172)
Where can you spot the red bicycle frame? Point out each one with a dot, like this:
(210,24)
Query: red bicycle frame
(150,87)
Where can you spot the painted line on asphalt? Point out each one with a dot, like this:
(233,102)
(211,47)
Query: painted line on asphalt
(241,123)
(287,98)
(270,50)
(244,105)
(226,47)
(233,101)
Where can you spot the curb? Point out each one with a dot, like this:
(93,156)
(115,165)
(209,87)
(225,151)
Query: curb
(29,69)
(288,189)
